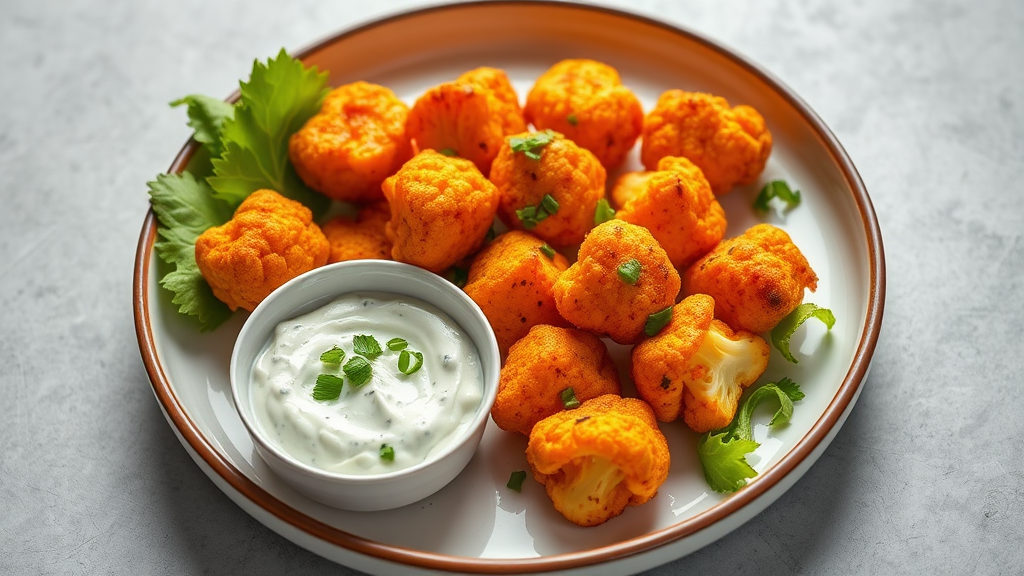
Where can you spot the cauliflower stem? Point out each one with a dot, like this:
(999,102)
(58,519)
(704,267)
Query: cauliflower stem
(592,484)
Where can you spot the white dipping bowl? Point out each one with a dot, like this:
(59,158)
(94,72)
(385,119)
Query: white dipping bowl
(318,288)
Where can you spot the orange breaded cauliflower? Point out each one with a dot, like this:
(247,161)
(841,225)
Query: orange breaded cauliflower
(360,239)
(356,141)
(543,364)
(676,204)
(697,367)
(469,117)
(599,458)
(586,101)
(513,281)
(593,295)
(730,145)
(270,240)
(441,210)
(569,174)
(756,278)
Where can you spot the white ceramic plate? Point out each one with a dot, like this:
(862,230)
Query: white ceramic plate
(475,524)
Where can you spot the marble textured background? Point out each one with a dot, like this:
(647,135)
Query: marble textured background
(925,477)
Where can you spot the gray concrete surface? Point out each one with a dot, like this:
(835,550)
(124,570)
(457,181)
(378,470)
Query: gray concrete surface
(926,476)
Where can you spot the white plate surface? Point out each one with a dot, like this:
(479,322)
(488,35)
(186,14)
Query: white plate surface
(476,524)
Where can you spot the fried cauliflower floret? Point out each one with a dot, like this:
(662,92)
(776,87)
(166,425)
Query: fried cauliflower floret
(599,458)
(469,117)
(362,238)
(593,296)
(270,240)
(586,101)
(676,204)
(513,283)
(441,210)
(756,278)
(730,145)
(356,141)
(544,363)
(570,174)
(697,367)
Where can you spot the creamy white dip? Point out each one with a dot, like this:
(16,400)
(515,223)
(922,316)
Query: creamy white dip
(417,415)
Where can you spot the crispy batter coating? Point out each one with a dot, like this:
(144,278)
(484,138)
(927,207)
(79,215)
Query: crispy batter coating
(513,281)
(570,174)
(697,366)
(543,364)
(730,145)
(676,204)
(362,238)
(356,141)
(586,101)
(599,458)
(591,295)
(270,240)
(470,116)
(441,210)
(756,278)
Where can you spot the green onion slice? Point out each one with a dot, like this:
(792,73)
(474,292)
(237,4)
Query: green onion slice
(784,330)
(629,271)
(657,321)
(409,361)
(515,481)
(569,399)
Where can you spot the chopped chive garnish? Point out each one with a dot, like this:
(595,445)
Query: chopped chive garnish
(629,271)
(366,346)
(569,399)
(397,344)
(604,212)
(405,361)
(333,356)
(387,453)
(571,119)
(777,189)
(529,145)
(515,481)
(657,321)
(328,387)
(548,251)
(358,371)
(549,204)
(449,152)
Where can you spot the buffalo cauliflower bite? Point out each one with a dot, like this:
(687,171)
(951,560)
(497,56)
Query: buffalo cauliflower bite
(356,141)
(756,278)
(469,117)
(676,204)
(362,238)
(599,458)
(543,364)
(586,101)
(513,281)
(441,210)
(592,295)
(570,174)
(270,240)
(730,145)
(697,367)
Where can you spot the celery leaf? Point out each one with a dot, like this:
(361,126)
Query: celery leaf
(725,462)
(784,330)
(278,99)
(207,115)
(185,207)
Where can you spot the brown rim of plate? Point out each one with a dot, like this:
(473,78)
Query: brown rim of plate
(756,488)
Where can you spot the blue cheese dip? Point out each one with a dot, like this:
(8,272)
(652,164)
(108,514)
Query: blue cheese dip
(418,415)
